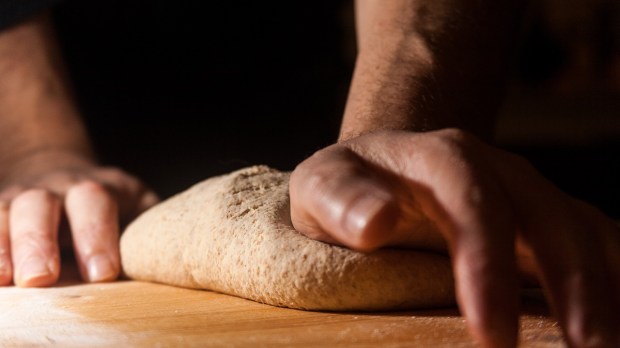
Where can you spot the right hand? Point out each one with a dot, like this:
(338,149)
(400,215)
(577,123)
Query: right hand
(495,213)
(95,200)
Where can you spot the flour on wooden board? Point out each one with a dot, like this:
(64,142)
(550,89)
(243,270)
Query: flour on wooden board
(36,317)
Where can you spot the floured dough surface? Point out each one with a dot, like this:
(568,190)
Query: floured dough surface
(233,234)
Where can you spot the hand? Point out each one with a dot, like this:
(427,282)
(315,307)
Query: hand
(36,198)
(497,215)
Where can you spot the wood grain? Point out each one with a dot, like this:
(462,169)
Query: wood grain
(135,314)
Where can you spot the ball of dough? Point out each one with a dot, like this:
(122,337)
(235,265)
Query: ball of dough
(233,234)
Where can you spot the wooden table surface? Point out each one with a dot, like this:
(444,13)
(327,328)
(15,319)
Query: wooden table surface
(136,314)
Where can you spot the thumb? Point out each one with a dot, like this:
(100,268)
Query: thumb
(336,197)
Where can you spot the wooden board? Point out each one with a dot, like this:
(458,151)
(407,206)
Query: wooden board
(136,314)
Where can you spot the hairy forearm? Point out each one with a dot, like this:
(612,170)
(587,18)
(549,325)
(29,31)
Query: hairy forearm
(37,113)
(429,64)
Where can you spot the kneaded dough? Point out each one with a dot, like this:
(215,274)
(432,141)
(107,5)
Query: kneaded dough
(233,234)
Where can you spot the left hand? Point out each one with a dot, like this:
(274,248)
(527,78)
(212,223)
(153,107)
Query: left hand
(95,201)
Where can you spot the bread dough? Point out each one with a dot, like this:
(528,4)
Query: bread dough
(233,234)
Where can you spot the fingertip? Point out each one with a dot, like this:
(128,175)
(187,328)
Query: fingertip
(36,280)
(497,333)
(101,268)
(499,329)
(35,271)
(488,296)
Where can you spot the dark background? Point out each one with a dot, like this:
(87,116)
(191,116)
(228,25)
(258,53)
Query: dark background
(175,92)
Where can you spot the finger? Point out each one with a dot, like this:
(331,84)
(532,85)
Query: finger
(339,198)
(446,175)
(483,258)
(10,192)
(6,267)
(33,222)
(336,198)
(93,218)
(609,237)
(477,221)
(568,249)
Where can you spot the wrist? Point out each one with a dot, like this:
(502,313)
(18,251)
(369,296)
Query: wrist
(406,87)
(391,89)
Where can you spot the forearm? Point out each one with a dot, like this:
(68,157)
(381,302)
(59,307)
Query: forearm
(37,113)
(429,64)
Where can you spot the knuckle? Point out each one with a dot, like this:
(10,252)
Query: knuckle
(322,168)
(90,186)
(456,136)
(306,166)
(41,194)
(120,183)
(87,190)
(115,174)
(327,178)
(10,192)
(317,180)
(473,195)
(65,177)
(451,145)
(457,145)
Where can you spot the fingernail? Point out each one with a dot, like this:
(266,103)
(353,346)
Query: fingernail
(364,210)
(100,269)
(34,271)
